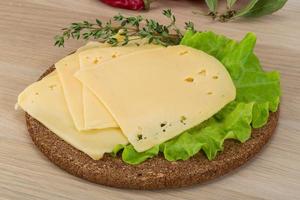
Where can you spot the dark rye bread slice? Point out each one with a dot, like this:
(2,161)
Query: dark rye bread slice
(155,173)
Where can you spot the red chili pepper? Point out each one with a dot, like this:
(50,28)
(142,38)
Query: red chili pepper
(129,4)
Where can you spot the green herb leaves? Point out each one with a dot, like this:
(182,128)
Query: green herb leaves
(127,28)
(136,27)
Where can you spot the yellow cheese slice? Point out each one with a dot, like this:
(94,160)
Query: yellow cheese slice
(89,45)
(157,94)
(44,100)
(65,68)
(87,111)
(53,73)
(96,116)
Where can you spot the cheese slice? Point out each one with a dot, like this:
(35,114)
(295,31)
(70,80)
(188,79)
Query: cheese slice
(157,94)
(87,111)
(72,88)
(44,100)
(91,45)
(53,73)
(96,116)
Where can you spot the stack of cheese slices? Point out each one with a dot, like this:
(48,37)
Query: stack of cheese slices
(102,96)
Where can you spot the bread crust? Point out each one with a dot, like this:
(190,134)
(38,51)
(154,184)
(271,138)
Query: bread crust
(155,173)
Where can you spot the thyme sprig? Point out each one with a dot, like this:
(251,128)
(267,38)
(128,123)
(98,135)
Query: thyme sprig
(128,28)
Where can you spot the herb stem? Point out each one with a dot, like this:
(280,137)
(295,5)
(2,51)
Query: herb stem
(137,26)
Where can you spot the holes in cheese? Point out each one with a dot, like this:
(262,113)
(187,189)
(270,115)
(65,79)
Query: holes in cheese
(202,72)
(95,113)
(183,53)
(96,61)
(52,86)
(145,89)
(189,79)
(49,107)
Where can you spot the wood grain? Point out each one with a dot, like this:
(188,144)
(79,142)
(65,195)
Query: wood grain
(26,49)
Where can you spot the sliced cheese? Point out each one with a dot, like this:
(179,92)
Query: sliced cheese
(91,45)
(44,100)
(87,111)
(96,116)
(66,68)
(157,94)
(53,73)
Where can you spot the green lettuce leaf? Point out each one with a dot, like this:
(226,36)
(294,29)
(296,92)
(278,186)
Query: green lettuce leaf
(251,82)
(210,136)
(258,93)
(131,156)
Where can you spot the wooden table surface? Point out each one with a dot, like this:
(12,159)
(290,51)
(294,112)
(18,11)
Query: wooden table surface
(26,50)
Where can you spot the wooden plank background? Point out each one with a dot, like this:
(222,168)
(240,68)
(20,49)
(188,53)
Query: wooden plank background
(27,28)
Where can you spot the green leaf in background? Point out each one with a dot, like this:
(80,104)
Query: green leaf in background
(244,11)
(258,93)
(230,3)
(265,7)
(212,5)
(257,8)
(253,8)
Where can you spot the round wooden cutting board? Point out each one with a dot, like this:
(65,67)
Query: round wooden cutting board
(155,173)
